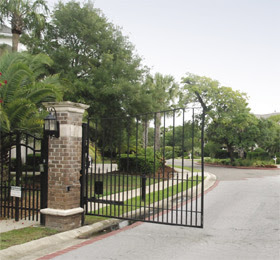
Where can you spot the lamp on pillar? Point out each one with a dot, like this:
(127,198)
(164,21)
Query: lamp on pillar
(51,125)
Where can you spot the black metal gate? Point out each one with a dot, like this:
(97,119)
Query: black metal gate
(143,168)
(23,166)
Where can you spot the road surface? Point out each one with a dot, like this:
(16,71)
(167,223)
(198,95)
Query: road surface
(242,221)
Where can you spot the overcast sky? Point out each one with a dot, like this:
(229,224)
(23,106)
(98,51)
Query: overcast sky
(233,41)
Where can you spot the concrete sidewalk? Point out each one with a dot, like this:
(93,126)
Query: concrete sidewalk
(10,224)
(41,247)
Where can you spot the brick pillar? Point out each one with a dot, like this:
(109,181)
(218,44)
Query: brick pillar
(64,165)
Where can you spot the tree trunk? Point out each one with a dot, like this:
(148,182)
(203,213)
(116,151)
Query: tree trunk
(231,155)
(145,125)
(157,132)
(15,42)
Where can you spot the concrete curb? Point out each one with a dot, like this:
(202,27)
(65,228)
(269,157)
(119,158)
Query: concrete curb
(83,232)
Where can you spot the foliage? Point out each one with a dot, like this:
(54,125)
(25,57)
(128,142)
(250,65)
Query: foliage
(96,60)
(27,87)
(94,153)
(242,162)
(23,15)
(211,149)
(138,164)
(170,152)
(258,154)
(229,121)
(269,137)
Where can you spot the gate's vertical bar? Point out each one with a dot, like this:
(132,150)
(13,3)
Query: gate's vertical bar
(25,189)
(202,165)
(128,171)
(196,197)
(154,170)
(119,179)
(83,170)
(173,172)
(183,154)
(44,175)
(89,171)
(158,177)
(145,173)
(87,168)
(163,165)
(33,178)
(10,199)
(114,184)
(95,167)
(2,173)
(28,191)
(103,166)
(136,176)
(111,170)
(191,217)
(18,173)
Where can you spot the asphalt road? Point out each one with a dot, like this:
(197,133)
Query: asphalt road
(242,221)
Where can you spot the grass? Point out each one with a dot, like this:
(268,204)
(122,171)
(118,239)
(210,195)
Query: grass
(136,202)
(24,235)
(89,219)
(115,183)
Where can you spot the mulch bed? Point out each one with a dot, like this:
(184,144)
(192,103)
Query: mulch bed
(166,172)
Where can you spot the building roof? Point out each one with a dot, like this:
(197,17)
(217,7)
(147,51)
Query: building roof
(5,30)
(265,116)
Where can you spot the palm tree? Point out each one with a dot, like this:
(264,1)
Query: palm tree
(27,86)
(165,90)
(23,87)
(22,15)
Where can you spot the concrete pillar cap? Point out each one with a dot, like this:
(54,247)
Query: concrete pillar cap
(67,106)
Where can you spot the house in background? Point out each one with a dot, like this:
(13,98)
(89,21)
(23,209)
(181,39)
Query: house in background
(6,39)
(265,116)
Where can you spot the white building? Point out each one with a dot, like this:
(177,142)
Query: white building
(265,116)
(6,38)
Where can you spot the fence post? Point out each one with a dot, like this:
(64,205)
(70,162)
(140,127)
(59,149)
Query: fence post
(18,173)
(64,165)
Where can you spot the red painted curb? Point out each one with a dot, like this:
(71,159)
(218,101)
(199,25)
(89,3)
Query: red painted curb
(240,167)
(93,240)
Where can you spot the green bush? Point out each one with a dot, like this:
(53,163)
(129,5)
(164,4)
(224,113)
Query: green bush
(258,154)
(33,160)
(168,152)
(221,154)
(138,165)
(241,162)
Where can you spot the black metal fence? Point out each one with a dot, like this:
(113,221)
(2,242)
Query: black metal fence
(23,169)
(143,168)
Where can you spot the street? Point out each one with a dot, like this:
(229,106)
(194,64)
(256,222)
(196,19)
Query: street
(242,221)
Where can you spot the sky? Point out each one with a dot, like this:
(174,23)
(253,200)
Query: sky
(235,42)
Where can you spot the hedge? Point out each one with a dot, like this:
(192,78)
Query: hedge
(138,165)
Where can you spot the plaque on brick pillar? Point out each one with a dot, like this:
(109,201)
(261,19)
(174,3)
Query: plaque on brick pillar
(64,167)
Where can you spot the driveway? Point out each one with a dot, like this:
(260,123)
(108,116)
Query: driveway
(241,222)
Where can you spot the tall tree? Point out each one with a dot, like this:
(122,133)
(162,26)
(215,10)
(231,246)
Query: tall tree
(22,15)
(98,62)
(164,91)
(229,120)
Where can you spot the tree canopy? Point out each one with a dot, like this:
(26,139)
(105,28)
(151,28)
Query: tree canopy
(24,86)
(98,63)
(229,120)
(23,15)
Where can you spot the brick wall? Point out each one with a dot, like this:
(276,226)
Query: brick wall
(64,167)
